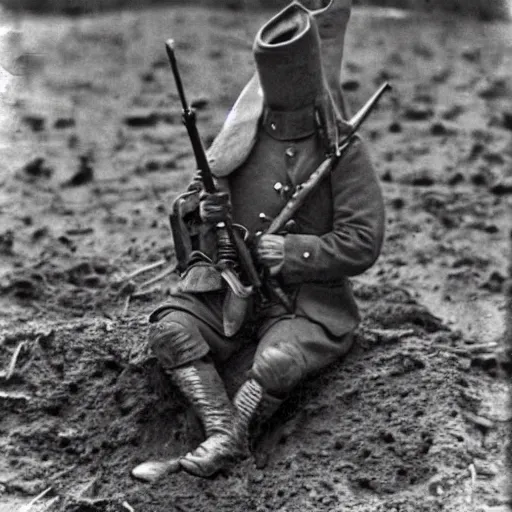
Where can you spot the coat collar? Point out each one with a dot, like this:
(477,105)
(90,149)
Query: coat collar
(290,125)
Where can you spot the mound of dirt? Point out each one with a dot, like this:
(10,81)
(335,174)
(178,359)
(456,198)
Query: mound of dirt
(389,424)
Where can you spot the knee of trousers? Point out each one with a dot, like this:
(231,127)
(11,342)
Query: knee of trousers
(175,340)
(277,370)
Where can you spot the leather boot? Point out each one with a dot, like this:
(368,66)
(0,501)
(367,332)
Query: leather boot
(218,450)
(203,388)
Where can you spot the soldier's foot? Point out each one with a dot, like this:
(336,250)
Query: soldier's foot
(152,470)
(210,457)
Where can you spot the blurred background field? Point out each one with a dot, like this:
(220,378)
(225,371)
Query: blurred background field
(482,9)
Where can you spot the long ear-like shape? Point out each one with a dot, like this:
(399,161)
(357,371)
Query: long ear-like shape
(332,17)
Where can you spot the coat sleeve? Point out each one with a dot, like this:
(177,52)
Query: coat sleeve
(357,233)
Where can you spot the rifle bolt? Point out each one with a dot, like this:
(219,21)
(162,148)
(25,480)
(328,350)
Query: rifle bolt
(264,218)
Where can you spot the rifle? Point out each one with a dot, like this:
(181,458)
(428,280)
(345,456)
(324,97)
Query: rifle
(303,190)
(232,249)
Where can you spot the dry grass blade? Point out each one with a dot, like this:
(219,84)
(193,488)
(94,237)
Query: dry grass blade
(49,503)
(143,270)
(14,359)
(468,350)
(31,503)
(126,305)
(157,278)
(145,293)
(472,472)
(127,506)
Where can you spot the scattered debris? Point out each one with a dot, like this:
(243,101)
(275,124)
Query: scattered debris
(502,187)
(84,174)
(79,231)
(507,119)
(15,396)
(156,163)
(440,128)
(484,424)
(126,304)
(63,123)
(387,176)
(32,502)
(472,474)
(37,168)
(491,88)
(452,112)
(442,75)
(36,122)
(200,103)
(143,270)
(395,127)
(418,112)
(418,178)
(141,118)
(495,282)
(14,359)
(7,242)
(472,55)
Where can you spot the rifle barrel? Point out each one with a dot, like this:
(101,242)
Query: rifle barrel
(169,46)
(189,120)
(358,119)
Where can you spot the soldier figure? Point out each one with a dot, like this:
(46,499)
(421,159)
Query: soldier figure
(279,131)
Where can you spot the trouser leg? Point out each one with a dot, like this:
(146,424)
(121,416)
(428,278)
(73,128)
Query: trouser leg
(184,355)
(288,351)
(177,341)
(292,349)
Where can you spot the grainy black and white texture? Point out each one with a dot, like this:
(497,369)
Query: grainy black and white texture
(92,152)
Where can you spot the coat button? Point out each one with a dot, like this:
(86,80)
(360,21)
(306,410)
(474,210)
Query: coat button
(278,186)
(290,152)
(306,255)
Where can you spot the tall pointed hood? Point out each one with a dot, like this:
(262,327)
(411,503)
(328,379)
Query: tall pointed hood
(289,94)
(288,60)
(332,17)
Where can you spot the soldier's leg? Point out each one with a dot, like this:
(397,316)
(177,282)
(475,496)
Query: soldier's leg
(183,345)
(291,349)
(288,351)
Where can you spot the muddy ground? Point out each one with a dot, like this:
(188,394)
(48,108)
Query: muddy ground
(416,418)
